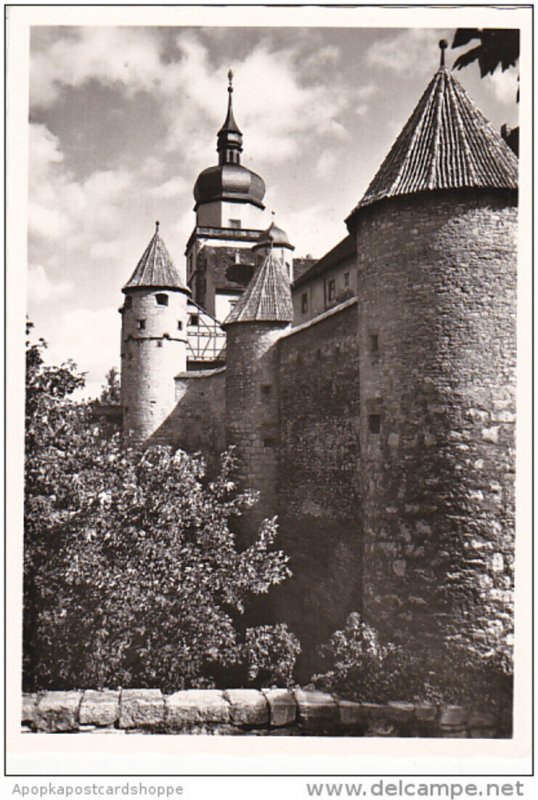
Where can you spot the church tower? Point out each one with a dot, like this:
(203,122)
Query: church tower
(229,219)
(153,341)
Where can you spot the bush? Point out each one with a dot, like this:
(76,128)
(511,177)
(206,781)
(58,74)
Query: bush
(133,576)
(362,668)
(270,653)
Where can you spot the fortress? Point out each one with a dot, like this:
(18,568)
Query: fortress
(370,394)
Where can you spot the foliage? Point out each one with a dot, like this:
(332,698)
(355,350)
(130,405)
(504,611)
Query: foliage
(110,392)
(498,47)
(364,669)
(132,572)
(270,653)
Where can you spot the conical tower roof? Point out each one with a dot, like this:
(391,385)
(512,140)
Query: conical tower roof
(267,298)
(447,143)
(156,268)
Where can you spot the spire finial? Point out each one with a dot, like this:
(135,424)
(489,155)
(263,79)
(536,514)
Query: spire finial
(157,223)
(443,44)
(230,79)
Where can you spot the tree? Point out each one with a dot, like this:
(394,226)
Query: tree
(110,392)
(132,571)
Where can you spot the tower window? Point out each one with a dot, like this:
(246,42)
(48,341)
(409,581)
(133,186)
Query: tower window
(194,320)
(162,299)
(304,303)
(374,343)
(128,302)
(374,423)
(235,223)
(266,389)
(331,289)
(346,279)
(179,325)
(141,324)
(269,442)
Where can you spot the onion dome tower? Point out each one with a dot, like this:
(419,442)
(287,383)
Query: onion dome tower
(437,338)
(229,190)
(253,327)
(153,341)
(276,240)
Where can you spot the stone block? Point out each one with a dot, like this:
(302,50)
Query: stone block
(482,733)
(58,712)
(453,716)
(426,712)
(282,707)
(141,708)
(315,708)
(29,705)
(351,713)
(480,719)
(247,707)
(99,708)
(196,706)
(400,712)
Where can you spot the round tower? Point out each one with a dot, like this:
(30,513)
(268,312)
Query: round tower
(253,327)
(153,341)
(436,245)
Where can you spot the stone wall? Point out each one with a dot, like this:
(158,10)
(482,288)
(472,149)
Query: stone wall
(437,342)
(197,422)
(318,499)
(269,712)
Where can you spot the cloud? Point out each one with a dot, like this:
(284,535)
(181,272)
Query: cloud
(326,164)
(411,50)
(503,85)
(173,187)
(277,114)
(41,288)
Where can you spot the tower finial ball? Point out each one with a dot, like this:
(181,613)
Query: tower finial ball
(157,223)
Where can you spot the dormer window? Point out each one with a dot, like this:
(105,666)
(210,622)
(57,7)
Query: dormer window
(162,299)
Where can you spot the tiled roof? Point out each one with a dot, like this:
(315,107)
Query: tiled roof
(155,268)
(447,143)
(267,297)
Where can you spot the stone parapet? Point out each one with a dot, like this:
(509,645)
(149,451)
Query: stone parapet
(270,712)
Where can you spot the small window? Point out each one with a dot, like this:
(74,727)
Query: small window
(304,303)
(269,442)
(128,302)
(374,423)
(194,320)
(374,343)
(346,279)
(141,324)
(162,299)
(179,325)
(235,223)
(266,389)
(331,289)
(159,343)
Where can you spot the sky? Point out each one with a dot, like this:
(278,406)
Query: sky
(123,119)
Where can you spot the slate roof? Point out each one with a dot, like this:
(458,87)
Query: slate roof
(156,268)
(447,143)
(267,298)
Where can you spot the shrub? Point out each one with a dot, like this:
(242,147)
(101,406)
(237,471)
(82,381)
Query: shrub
(270,653)
(133,576)
(362,668)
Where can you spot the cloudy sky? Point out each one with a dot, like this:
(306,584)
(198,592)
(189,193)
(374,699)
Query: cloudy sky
(122,120)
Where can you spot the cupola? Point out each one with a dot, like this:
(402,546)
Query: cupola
(229,180)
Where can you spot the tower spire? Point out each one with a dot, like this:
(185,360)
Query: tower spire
(230,138)
(443,44)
